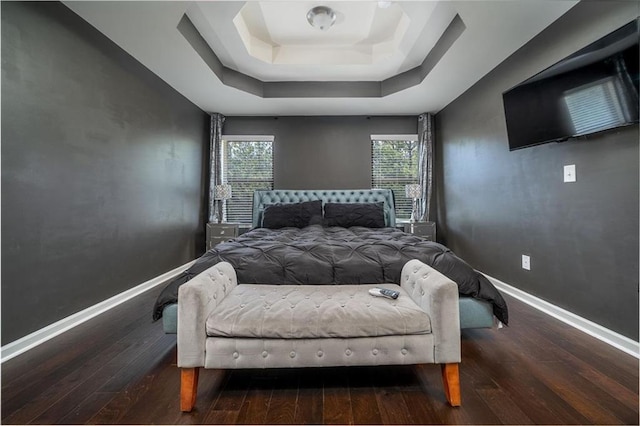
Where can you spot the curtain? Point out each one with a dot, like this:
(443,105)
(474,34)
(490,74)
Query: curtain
(215,173)
(425,163)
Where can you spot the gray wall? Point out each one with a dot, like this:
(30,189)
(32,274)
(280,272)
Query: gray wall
(495,205)
(102,169)
(321,152)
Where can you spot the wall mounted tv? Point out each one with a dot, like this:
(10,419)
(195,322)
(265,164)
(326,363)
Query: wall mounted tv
(593,90)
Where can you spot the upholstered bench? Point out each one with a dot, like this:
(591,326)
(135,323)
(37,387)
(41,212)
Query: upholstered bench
(223,324)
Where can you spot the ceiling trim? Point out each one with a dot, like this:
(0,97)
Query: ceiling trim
(320,89)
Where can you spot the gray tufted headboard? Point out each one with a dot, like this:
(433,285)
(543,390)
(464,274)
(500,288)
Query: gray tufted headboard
(262,198)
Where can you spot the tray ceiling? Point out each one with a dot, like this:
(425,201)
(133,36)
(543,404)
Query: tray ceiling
(263,58)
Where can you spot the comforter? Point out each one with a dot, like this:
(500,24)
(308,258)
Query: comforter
(334,255)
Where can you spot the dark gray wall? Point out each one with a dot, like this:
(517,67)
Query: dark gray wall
(321,152)
(495,205)
(102,169)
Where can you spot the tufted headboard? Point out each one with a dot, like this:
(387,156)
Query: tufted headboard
(262,198)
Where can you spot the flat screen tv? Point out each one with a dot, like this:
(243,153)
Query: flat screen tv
(593,90)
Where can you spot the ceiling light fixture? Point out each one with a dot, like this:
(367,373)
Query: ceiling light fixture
(384,4)
(321,17)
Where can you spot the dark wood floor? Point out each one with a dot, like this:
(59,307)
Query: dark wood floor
(119,368)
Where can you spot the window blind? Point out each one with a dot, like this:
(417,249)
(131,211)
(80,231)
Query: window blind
(594,107)
(247,165)
(394,164)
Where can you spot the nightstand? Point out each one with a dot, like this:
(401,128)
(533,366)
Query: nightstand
(426,230)
(220,232)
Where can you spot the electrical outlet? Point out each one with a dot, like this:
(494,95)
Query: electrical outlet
(570,173)
(526,262)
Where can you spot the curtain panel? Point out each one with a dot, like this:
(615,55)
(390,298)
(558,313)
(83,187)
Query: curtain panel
(215,164)
(425,163)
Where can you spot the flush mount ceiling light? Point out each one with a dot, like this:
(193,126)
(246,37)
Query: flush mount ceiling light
(321,17)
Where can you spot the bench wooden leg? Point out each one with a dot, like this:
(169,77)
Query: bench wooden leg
(188,388)
(451,382)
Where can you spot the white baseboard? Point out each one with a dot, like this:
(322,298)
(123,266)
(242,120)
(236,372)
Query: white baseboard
(17,347)
(38,337)
(596,330)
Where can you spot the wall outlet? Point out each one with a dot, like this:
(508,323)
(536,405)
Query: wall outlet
(526,262)
(570,173)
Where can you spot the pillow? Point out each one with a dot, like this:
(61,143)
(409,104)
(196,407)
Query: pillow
(370,215)
(297,215)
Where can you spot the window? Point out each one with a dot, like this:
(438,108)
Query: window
(394,164)
(247,165)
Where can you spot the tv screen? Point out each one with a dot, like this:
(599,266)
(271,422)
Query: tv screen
(593,90)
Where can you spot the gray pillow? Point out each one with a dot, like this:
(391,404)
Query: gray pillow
(296,215)
(345,215)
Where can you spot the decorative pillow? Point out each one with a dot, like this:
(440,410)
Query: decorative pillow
(345,215)
(297,215)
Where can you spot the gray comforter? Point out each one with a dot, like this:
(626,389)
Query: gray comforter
(334,255)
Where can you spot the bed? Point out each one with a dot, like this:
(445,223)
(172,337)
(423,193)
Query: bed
(323,248)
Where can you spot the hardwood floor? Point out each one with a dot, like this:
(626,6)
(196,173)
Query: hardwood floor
(119,368)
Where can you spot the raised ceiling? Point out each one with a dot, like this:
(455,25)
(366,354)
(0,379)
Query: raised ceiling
(363,34)
(273,41)
(263,58)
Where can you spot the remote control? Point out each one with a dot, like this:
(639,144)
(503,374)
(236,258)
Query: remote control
(384,292)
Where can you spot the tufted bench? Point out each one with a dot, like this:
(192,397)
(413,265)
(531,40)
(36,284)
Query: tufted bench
(223,324)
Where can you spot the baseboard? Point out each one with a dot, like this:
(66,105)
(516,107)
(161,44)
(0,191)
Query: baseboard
(596,330)
(17,347)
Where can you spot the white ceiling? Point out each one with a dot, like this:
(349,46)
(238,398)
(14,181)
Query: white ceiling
(367,43)
(272,42)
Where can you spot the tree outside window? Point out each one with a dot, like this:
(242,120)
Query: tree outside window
(394,164)
(247,165)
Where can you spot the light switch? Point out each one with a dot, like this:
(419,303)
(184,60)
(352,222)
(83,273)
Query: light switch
(526,262)
(570,173)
